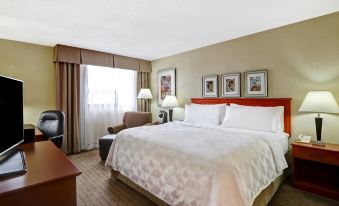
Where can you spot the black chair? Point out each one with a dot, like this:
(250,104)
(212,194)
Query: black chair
(51,124)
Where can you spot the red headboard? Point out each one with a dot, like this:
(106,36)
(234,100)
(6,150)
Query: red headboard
(264,102)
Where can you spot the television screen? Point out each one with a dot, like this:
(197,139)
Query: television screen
(11,113)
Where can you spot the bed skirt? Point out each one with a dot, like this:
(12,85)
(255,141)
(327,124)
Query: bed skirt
(261,200)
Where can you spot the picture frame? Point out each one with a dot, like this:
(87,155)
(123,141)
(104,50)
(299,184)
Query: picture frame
(256,83)
(210,86)
(166,83)
(231,85)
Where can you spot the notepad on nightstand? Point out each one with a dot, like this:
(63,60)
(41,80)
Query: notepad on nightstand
(304,139)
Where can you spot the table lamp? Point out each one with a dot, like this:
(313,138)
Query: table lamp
(319,102)
(170,101)
(145,94)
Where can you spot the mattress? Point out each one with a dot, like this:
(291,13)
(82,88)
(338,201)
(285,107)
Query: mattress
(192,164)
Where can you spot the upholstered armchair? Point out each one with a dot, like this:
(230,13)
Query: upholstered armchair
(132,119)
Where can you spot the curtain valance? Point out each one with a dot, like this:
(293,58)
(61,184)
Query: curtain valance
(68,54)
(96,58)
(124,62)
(145,66)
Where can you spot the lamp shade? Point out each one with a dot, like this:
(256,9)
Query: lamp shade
(145,94)
(319,102)
(170,101)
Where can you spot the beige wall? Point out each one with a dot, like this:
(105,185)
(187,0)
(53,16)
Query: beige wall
(300,57)
(34,65)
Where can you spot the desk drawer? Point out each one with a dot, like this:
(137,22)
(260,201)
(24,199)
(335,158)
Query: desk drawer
(315,154)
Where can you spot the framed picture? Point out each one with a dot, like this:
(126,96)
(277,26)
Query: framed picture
(210,86)
(256,83)
(230,85)
(166,84)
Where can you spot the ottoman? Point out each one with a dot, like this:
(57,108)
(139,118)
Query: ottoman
(105,143)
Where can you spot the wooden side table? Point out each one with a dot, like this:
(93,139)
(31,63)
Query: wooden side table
(316,169)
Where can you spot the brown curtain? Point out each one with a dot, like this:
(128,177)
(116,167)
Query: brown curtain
(144,82)
(68,96)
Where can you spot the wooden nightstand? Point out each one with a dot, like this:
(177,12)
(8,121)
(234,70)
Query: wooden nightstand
(316,169)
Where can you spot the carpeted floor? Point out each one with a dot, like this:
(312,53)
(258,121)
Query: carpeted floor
(95,187)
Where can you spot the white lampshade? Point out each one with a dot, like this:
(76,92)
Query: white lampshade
(170,101)
(319,102)
(145,94)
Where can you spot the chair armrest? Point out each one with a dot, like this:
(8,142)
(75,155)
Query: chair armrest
(57,140)
(56,137)
(116,129)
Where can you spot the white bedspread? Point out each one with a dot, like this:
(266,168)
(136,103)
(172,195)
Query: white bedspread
(191,164)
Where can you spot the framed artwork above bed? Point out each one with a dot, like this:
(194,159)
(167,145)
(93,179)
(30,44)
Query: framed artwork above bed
(166,83)
(210,86)
(230,85)
(256,83)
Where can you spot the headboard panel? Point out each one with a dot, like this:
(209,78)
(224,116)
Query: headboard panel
(263,102)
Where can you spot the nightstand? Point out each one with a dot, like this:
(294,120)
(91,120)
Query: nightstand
(316,169)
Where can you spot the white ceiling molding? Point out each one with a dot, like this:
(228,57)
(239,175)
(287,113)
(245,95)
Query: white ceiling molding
(149,29)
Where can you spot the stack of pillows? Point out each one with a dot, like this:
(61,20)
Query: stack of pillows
(268,119)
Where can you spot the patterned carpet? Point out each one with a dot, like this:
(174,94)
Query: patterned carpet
(95,187)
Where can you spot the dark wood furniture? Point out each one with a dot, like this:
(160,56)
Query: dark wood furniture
(39,136)
(316,169)
(263,102)
(50,179)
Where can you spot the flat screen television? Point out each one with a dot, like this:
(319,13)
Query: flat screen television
(11,113)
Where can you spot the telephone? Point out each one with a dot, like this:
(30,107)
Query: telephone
(162,117)
(304,138)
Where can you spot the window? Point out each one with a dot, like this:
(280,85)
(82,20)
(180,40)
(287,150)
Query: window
(106,94)
(112,86)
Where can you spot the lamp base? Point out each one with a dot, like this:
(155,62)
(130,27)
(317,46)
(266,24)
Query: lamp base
(319,143)
(170,111)
(318,126)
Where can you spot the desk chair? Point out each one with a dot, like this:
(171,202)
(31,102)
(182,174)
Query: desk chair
(51,124)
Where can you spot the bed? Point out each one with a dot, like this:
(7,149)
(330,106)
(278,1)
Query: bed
(185,163)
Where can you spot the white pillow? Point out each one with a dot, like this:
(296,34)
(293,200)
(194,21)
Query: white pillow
(221,107)
(204,114)
(255,118)
(277,111)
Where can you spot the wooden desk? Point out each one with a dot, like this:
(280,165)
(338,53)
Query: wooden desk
(50,179)
(39,136)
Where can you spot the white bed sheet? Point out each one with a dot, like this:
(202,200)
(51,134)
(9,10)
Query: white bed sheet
(283,141)
(191,164)
(281,137)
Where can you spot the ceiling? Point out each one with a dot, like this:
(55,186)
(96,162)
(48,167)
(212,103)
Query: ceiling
(148,29)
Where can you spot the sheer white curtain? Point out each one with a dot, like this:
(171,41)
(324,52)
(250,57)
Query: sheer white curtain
(106,94)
